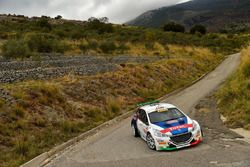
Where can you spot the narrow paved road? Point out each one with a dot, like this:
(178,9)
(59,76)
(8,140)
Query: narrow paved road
(115,146)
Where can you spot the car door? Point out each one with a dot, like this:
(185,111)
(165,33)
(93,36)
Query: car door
(142,123)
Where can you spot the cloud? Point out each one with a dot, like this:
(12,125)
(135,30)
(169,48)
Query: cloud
(117,11)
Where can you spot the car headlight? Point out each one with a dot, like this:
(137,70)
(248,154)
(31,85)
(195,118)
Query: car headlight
(195,126)
(159,134)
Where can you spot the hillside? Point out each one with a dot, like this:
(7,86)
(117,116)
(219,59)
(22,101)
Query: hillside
(22,37)
(60,78)
(215,14)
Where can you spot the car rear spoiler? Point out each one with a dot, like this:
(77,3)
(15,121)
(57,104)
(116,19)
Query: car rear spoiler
(148,103)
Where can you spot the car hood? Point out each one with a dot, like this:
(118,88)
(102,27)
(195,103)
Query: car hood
(175,127)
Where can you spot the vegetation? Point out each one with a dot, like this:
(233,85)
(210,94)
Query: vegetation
(234,96)
(198,28)
(16,49)
(174,27)
(48,113)
(98,37)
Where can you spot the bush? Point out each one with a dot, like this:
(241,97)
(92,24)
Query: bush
(246,69)
(174,27)
(15,49)
(198,28)
(45,43)
(44,23)
(84,46)
(113,105)
(108,47)
(100,25)
(123,47)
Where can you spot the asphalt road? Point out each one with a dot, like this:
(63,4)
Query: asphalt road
(115,146)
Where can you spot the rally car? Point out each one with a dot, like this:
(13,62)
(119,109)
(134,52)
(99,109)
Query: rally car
(165,127)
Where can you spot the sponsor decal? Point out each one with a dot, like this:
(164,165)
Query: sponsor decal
(161,109)
(177,128)
(172,121)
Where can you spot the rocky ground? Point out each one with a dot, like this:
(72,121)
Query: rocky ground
(215,131)
(56,66)
(52,66)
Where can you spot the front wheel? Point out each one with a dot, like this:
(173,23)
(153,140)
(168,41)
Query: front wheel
(151,142)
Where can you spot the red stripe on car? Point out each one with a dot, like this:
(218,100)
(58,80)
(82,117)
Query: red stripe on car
(176,128)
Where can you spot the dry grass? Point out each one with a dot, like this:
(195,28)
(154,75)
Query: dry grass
(234,96)
(51,112)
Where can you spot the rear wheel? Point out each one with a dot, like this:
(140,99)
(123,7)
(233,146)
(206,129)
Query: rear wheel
(135,131)
(151,142)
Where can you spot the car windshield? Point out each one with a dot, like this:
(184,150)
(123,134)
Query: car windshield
(170,114)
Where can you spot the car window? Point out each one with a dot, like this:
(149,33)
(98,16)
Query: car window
(143,116)
(170,114)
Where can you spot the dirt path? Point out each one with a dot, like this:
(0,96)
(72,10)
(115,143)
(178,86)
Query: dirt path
(115,146)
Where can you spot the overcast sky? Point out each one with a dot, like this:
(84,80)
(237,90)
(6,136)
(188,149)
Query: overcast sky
(118,11)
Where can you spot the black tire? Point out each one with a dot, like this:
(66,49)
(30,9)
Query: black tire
(135,131)
(150,142)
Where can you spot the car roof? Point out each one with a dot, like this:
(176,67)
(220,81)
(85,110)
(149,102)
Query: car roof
(153,107)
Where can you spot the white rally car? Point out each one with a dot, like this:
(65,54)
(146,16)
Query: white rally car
(165,127)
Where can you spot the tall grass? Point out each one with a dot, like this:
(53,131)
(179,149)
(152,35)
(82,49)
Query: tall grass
(234,96)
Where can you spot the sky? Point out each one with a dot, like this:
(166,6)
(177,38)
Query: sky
(118,11)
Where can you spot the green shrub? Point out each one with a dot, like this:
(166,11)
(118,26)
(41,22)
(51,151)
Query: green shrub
(46,43)
(44,24)
(113,105)
(15,49)
(84,46)
(246,69)
(198,28)
(60,33)
(123,47)
(174,27)
(108,47)
(100,25)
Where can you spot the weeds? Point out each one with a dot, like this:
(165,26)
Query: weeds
(233,97)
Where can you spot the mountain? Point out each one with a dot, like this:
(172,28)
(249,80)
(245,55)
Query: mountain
(214,14)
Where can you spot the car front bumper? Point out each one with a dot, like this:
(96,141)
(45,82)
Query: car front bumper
(168,145)
(172,147)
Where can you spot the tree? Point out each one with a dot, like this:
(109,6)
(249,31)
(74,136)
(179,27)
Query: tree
(101,25)
(174,27)
(93,19)
(104,20)
(58,17)
(198,28)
